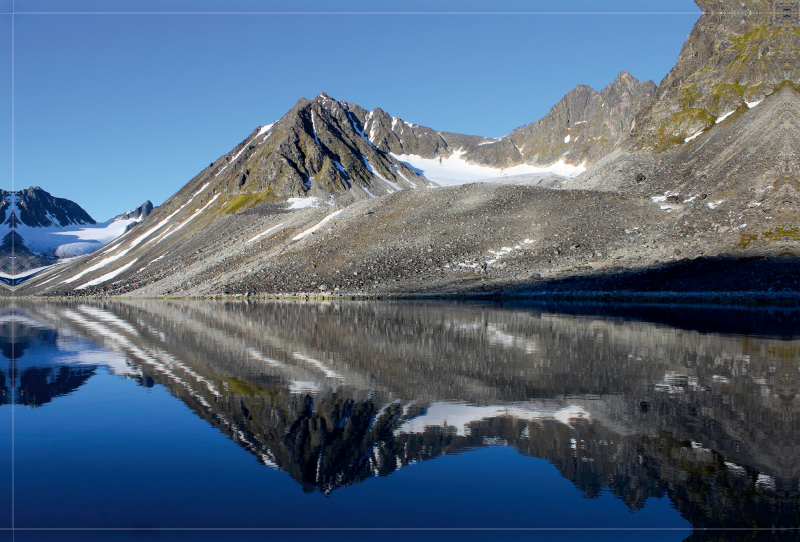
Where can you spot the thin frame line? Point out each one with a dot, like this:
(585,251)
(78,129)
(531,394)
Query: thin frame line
(13,269)
(583,529)
(13,528)
(358,13)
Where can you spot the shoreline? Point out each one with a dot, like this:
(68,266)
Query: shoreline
(666,298)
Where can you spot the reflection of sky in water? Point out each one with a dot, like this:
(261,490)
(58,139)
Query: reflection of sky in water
(478,414)
(137,457)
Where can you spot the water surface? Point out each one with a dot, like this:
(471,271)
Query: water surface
(494,422)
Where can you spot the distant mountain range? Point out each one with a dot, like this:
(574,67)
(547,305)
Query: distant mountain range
(655,184)
(329,147)
(42,228)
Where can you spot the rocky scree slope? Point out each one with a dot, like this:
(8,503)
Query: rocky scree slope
(472,238)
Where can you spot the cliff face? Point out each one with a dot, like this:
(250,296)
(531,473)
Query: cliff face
(738,53)
(585,125)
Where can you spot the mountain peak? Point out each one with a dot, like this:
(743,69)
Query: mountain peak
(139,213)
(37,208)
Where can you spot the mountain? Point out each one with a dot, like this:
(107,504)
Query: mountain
(37,208)
(718,145)
(43,228)
(139,213)
(739,52)
(693,195)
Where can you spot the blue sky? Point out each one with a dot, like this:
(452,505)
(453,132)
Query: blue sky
(112,109)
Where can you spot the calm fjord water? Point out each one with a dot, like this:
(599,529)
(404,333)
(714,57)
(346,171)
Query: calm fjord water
(486,420)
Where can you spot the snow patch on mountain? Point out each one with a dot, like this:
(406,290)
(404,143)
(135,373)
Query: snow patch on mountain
(303,203)
(264,234)
(317,226)
(454,170)
(371,169)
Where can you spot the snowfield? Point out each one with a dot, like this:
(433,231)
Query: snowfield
(454,171)
(69,241)
(74,240)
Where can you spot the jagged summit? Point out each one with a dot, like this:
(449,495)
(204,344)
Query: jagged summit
(140,213)
(37,208)
(318,148)
(585,124)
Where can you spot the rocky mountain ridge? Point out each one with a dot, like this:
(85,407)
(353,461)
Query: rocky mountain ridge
(326,147)
(738,53)
(140,213)
(709,211)
(37,208)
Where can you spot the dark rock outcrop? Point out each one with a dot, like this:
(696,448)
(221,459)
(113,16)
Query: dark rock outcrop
(139,213)
(37,208)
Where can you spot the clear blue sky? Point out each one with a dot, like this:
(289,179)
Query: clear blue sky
(112,109)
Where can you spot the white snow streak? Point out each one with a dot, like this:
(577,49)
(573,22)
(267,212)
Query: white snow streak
(260,235)
(196,213)
(158,226)
(319,365)
(317,226)
(725,116)
(102,263)
(692,138)
(314,127)
(107,276)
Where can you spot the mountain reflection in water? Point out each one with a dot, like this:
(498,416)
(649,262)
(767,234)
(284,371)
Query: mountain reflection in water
(334,393)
